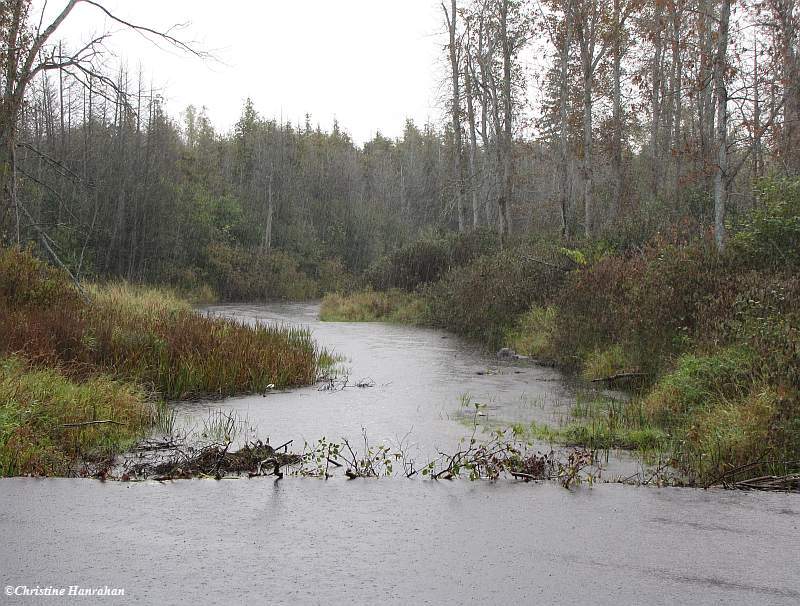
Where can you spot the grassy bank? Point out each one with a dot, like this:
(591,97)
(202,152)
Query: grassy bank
(49,421)
(711,339)
(109,353)
(371,306)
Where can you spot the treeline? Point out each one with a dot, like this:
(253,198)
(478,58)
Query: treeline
(608,120)
(635,114)
(124,190)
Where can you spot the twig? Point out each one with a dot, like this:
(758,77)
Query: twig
(85,423)
(620,375)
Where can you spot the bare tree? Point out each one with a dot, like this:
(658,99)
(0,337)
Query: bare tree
(28,53)
(451,17)
(721,172)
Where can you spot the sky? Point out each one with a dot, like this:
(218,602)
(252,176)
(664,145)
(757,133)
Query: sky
(368,63)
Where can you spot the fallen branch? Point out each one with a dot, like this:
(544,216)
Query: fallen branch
(731,472)
(777,483)
(620,375)
(85,423)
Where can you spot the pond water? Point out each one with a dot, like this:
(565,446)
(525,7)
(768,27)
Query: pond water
(397,541)
(422,382)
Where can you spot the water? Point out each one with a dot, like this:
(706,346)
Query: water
(422,378)
(397,541)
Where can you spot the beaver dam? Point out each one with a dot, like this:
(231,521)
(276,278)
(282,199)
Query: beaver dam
(305,540)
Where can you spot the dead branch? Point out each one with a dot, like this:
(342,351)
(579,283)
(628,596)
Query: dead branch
(619,376)
(86,423)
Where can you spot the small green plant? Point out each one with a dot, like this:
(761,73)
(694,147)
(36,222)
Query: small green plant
(602,363)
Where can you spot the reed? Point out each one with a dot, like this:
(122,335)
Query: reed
(111,354)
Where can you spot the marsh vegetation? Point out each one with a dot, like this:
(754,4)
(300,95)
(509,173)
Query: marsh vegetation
(84,371)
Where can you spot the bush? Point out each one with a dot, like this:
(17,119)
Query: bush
(427,260)
(649,303)
(769,236)
(484,298)
(243,275)
(333,277)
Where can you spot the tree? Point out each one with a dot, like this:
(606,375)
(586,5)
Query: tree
(453,47)
(27,53)
(721,172)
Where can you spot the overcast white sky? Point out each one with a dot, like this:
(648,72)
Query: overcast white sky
(369,63)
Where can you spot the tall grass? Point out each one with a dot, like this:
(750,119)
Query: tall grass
(44,418)
(183,354)
(111,352)
(143,334)
(370,306)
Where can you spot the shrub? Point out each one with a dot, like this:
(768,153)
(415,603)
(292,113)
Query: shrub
(533,332)
(649,303)
(428,259)
(243,275)
(333,277)
(483,299)
(769,236)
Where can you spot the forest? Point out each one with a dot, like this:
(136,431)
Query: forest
(612,188)
(635,118)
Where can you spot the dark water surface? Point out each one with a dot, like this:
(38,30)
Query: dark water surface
(397,541)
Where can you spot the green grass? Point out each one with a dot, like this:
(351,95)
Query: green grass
(602,424)
(532,333)
(602,363)
(110,354)
(726,414)
(370,306)
(37,403)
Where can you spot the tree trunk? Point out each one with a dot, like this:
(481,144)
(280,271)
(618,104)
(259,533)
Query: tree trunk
(616,152)
(677,92)
(458,177)
(720,175)
(508,161)
(791,92)
(656,101)
(268,224)
(473,148)
(563,127)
